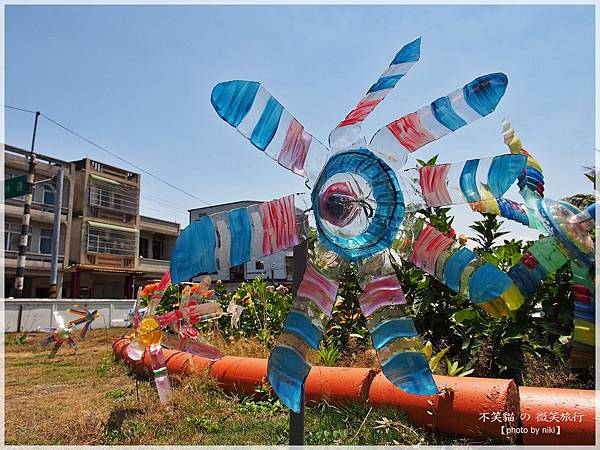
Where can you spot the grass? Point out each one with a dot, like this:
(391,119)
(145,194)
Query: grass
(85,397)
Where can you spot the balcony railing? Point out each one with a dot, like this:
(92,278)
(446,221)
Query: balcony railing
(111,241)
(154,262)
(12,254)
(36,206)
(115,197)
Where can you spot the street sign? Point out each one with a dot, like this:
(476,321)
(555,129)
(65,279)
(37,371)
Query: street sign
(15,187)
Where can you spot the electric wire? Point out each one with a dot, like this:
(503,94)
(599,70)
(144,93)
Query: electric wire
(89,141)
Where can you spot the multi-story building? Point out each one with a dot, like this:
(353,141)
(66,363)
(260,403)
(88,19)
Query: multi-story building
(105,231)
(157,238)
(37,273)
(278,266)
(110,249)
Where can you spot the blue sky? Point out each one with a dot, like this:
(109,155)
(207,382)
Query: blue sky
(137,80)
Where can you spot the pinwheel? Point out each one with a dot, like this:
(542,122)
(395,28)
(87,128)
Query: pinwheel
(361,200)
(236,313)
(568,241)
(182,320)
(149,329)
(147,335)
(86,317)
(59,335)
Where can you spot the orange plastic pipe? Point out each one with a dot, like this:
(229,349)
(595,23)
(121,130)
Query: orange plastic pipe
(472,407)
(241,375)
(176,362)
(337,385)
(558,416)
(465,406)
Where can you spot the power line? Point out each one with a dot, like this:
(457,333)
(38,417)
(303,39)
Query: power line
(165,202)
(89,141)
(121,159)
(19,109)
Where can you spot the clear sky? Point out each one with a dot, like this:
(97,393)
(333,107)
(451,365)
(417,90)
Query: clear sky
(137,80)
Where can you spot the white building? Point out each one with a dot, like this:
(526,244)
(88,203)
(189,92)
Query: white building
(278,266)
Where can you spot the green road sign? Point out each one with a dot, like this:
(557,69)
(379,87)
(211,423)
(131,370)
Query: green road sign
(14,187)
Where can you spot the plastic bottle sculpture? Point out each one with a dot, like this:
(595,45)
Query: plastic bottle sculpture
(361,200)
(236,313)
(59,335)
(147,335)
(86,317)
(568,241)
(149,329)
(192,310)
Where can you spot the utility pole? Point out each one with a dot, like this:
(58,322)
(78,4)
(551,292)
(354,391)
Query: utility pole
(58,194)
(296,420)
(19,279)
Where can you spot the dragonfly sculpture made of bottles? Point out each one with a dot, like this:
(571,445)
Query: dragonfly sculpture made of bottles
(568,241)
(59,335)
(363,204)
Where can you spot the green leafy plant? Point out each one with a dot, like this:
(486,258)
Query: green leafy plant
(328,355)
(488,231)
(16,339)
(116,393)
(455,371)
(262,403)
(433,360)
(204,424)
(266,307)
(346,319)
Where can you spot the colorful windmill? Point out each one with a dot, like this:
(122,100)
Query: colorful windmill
(568,241)
(191,311)
(86,317)
(149,329)
(59,335)
(147,335)
(236,313)
(362,200)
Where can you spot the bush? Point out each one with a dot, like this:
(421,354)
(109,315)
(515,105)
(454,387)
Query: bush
(266,307)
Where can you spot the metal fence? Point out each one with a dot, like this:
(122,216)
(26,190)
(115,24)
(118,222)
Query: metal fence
(29,314)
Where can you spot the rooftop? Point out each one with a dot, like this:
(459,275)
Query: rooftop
(225,206)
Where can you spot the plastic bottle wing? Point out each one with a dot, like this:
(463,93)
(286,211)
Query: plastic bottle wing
(260,118)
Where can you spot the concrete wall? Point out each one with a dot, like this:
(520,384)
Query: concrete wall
(40,312)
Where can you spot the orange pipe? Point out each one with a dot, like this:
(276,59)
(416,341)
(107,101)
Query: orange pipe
(337,385)
(242,375)
(543,410)
(176,362)
(472,407)
(465,406)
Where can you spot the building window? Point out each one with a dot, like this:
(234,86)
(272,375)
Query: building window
(113,242)
(117,201)
(103,198)
(46,241)
(12,233)
(118,197)
(289,266)
(144,248)
(157,248)
(260,265)
(48,195)
(236,273)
